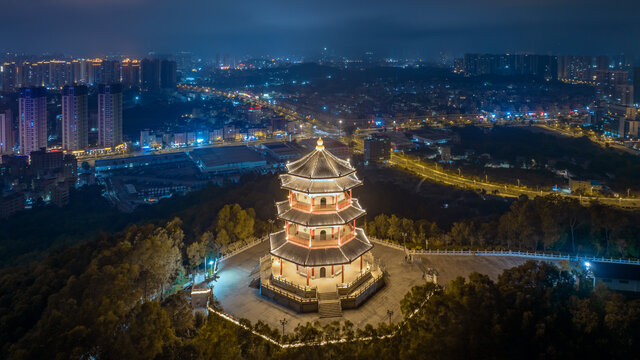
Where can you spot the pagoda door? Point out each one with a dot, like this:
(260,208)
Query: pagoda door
(323,272)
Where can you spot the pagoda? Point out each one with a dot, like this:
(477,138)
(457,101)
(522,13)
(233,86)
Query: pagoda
(320,259)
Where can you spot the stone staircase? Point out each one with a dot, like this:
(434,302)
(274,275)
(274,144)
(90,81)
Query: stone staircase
(329,305)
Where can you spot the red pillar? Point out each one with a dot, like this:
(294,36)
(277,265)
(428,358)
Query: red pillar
(281,265)
(313,271)
(360,262)
(331,270)
(307,276)
(296,267)
(343,273)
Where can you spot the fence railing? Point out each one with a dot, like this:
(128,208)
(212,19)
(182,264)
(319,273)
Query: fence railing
(304,291)
(362,289)
(517,253)
(288,294)
(345,289)
(242,248)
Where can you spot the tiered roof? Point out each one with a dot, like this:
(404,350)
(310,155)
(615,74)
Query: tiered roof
(320,172)
(320,164)
(325,218)
(305,256)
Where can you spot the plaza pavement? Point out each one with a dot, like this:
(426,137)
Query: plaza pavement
(239,300)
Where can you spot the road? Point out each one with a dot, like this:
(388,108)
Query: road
(590,135)
(432,173)
(416,166)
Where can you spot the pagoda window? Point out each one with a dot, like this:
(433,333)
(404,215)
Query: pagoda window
(323,202)
(323,235)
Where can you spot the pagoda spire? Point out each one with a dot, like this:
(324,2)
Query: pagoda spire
(320,144)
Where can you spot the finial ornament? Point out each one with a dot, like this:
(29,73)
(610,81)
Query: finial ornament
(320,144)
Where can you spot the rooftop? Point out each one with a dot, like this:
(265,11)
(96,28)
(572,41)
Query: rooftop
(226,158)
(306,256)
(616,271)
(320,164)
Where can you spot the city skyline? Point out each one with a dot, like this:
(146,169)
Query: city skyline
(410,29)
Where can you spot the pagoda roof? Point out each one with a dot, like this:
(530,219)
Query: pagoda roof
(339,217)
(306,256)
(320,164)
(311,186)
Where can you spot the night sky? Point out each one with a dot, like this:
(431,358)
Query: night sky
(276,27)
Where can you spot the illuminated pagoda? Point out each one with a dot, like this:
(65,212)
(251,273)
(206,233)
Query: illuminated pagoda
(320,261)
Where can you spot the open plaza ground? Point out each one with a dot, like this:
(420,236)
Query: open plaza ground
(240,300)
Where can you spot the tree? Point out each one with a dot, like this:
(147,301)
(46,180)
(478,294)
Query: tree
(148,329)
(217,340)
(195,254)
(236,222)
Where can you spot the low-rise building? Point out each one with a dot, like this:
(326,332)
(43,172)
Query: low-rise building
(11,203)
(618,277)
(280,151)
(377,147)
(584,186)
(227,159)
(135,161)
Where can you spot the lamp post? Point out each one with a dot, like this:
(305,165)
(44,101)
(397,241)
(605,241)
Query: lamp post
(389,314)
(271,225)
(283,322)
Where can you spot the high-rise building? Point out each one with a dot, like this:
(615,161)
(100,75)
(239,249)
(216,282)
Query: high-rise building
(168,74)
(578,68)
(150,74)
(109,115)
(8,76)
(130,73)
(602,62)
(544,66)
(7,139)
(75,117)
(33,119)
(109,72)
(77,71)
(636,84)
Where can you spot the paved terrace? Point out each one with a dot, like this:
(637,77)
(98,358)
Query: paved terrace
(238,299)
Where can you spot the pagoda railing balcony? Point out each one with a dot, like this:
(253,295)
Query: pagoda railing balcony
(303,239)
(320,208)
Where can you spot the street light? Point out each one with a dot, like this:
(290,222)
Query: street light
(389,314)
(283,322)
